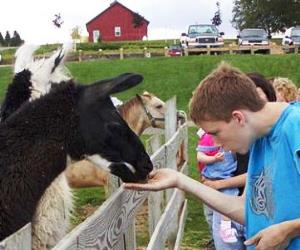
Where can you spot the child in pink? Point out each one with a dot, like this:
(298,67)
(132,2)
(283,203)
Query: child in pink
(214,164)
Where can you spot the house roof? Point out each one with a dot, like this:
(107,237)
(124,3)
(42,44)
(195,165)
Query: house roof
(111,5)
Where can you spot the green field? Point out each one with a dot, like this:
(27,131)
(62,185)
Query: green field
(167,77)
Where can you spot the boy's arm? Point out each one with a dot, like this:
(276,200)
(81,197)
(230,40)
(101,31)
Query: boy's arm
(231,206)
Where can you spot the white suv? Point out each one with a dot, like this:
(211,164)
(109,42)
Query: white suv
(202,36)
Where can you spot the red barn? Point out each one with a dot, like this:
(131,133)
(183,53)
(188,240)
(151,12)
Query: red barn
(117,23)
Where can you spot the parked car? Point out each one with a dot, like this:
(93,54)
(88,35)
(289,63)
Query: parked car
(202,36)
(175,50)
(256,37)
(291,37)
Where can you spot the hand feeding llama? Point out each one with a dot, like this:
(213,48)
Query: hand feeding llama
(75,121)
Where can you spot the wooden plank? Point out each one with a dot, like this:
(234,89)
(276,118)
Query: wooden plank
(155,206)
(153,144)
(105,228)
(166,223)
(155,199)
(182,221)
(154,131)
(129,237)
(208,50)
(184,168)
(170,118)
(159,158)
(175,142)
(185,145)
(20,240)
(113,183)
(170,130)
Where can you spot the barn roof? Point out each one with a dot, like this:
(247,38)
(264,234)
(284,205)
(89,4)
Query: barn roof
(111,5)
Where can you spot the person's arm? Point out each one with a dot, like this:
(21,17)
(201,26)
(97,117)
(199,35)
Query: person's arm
(206,159)
(277,236)
(231,206)
(236,181)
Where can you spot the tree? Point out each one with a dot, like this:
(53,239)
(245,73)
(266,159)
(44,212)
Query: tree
(76,33)
(270,15)
(16,39)
(76,36)
(216,20)
(7,39)
(137,20)
(1,40)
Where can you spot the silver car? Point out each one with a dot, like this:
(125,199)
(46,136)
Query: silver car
(256,37)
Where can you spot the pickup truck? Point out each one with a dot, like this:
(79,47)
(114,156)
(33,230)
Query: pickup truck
(202,36)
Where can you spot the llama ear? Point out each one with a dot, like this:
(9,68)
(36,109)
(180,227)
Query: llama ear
(117,84)
(24,57)
(57,58)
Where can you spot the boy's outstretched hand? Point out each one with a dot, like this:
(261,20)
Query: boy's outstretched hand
(158,180)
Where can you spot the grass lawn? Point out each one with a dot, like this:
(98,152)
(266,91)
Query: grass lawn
(167,77)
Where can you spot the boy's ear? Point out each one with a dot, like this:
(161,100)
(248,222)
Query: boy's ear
(239,117)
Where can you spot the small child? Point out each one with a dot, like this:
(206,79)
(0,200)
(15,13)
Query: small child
(216,164)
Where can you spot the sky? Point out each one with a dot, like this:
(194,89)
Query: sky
(32,19)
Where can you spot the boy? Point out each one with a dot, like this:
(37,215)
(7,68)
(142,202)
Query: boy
(227,106)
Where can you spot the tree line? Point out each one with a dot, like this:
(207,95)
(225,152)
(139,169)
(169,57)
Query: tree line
(270,15)
(8,40)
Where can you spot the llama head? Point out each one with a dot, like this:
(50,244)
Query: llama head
(32,77)
(108,141)
(42,72)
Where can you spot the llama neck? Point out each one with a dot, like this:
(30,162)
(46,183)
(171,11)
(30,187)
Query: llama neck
(132,112)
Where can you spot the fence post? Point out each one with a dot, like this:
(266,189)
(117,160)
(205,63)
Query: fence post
(296,49)
(186,51)
(100,52)
(166,52)
(208,49)
(121,53)
(252,50)
(80,55)
(230,49)
(147,53)
(170,129)
(170,119)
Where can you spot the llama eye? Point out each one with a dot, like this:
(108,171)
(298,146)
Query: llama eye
(159,106)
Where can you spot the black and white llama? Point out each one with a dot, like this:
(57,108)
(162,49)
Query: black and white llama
(32,79)
(72,120)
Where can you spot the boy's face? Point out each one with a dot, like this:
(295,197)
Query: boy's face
(234,135)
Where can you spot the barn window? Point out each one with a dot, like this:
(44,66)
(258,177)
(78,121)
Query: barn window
(117,31)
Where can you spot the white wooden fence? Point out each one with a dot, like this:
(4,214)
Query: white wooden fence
(112,225)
